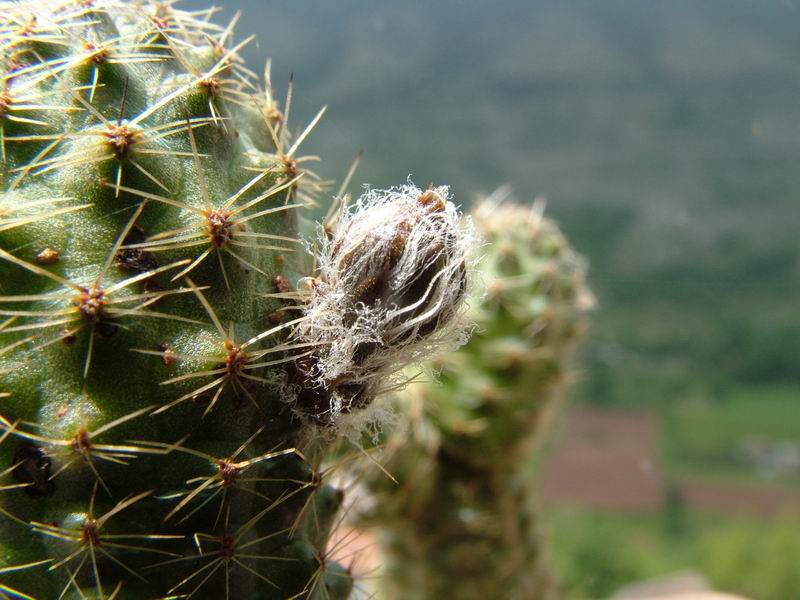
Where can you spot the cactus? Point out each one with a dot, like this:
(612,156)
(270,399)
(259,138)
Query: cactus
(163,414)
(462,523)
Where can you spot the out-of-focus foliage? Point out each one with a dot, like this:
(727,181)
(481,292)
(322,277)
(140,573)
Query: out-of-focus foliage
(597,553)
(753,559)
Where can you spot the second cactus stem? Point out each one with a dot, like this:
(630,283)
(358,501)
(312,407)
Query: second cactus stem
(463,520)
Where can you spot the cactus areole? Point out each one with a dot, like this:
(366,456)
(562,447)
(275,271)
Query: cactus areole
(171,375)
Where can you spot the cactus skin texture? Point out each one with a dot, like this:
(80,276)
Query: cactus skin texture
(462,522)
(151,445)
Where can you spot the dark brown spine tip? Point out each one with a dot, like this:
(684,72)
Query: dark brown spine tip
(220,227)
(276,317)
(201,399)
(168,355)
(121,138)
(97,54)
(5,104)
(281,284)
(90,534)
(32,468)
(291,169)
(211,85)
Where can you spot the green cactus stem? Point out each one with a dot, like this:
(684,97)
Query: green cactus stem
(153,442)
(463,523)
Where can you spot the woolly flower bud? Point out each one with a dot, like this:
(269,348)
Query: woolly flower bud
(392,282)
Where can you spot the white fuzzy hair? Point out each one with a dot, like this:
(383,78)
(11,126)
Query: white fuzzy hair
(400,328)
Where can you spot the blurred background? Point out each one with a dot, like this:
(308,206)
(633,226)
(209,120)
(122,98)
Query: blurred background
(666,139)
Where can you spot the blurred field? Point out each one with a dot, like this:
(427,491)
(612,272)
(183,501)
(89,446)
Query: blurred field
(753,437)
(599,552)
(624,508)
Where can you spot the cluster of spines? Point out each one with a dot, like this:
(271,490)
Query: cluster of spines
(139,156)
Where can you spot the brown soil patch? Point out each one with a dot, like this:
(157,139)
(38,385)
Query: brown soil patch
(605,459)
(608,459)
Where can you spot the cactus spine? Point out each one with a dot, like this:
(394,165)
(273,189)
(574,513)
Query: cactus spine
(462,523)
(152,443)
